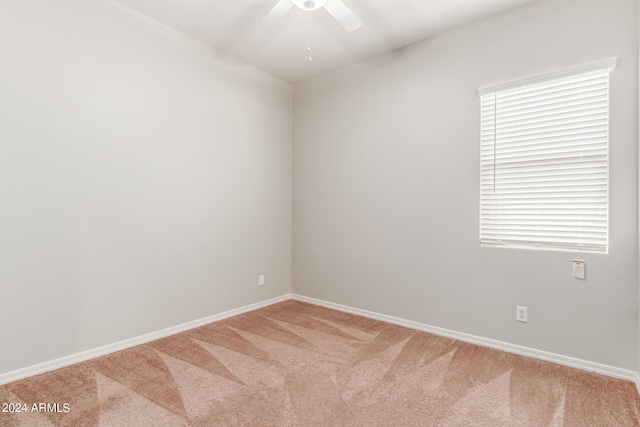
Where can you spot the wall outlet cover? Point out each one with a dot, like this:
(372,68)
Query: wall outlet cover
(521,314)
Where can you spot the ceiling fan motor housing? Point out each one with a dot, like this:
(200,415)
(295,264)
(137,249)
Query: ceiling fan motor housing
(309,4)
(335,8)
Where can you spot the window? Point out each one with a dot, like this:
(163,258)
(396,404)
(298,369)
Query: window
(544,161)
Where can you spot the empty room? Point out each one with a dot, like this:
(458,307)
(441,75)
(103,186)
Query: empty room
(319,213)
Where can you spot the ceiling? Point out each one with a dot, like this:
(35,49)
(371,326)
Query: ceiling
(281,47)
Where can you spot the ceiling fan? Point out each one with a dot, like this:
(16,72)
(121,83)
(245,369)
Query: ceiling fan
(336,8)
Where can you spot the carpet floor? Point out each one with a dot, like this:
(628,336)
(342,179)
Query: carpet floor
(296,364)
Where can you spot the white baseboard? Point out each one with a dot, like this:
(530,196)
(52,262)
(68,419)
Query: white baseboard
(122,345)
(473,339)
(559,359)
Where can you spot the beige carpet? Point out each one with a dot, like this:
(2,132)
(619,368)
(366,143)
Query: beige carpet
(295,364)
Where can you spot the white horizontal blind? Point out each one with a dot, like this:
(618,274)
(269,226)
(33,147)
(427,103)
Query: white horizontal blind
(544,164)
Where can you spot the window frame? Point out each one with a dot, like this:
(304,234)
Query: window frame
(487,216)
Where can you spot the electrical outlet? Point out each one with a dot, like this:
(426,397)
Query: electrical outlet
(261,280)
(521,314)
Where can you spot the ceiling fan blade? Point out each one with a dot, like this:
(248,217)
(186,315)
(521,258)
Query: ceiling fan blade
(343,15)
(277,12)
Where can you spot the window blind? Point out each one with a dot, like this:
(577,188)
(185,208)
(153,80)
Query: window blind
(544,163)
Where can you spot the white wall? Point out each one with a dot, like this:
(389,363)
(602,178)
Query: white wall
(386,186)
(145,179)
